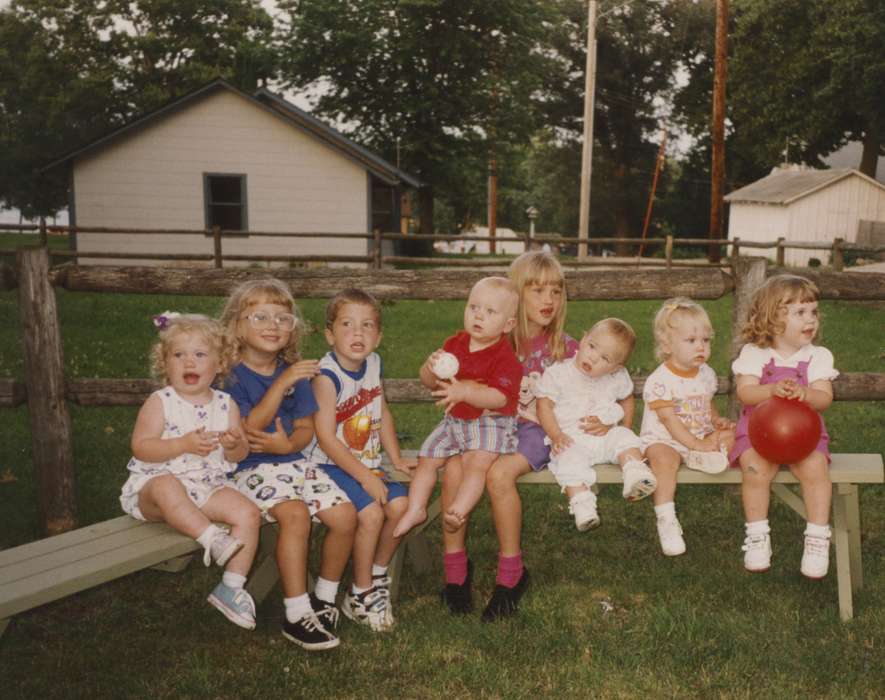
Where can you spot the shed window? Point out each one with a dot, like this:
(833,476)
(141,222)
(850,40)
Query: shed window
(225,197)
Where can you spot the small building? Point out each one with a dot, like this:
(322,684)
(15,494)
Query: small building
(802,204)
(219,156)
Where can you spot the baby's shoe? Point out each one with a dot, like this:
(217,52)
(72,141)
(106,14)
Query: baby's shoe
(757,552)
(707,462)
(223,547)
(583,506)
(816,556)
(235,604)
(670,535)
(639,481)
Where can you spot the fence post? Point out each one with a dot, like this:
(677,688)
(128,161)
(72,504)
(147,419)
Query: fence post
(376,251)
(45,385)
(749,274)
(735,250)
(780,251)
(838,255)
(216,243)
(668,250)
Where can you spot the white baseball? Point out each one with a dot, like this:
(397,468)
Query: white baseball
(445,366)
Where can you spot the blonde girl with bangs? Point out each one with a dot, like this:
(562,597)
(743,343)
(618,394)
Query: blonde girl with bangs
(270,383)
(680,424)
(186,440)
(780,358)
(539,339)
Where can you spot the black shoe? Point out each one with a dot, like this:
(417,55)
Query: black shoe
(327,613)
(309,633)
(457,597)
(505,601)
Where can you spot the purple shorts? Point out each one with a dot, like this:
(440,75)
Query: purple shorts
(530,438)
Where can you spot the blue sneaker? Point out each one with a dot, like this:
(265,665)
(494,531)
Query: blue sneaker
(235,604)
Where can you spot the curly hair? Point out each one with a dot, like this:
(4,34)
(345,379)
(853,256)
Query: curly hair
(531,268)
(208,328)
(764,320)
(351,295)
(673,311)
(262,291)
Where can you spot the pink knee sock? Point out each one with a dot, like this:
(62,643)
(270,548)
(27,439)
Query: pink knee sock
(509,570)
(455,565)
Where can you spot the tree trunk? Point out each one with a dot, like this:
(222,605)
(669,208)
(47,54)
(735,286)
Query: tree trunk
(871,146)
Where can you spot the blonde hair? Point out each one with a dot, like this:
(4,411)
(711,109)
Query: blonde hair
(501,284)
(672,312)
(187,324)
(763,324)
(263,291)
(538,267)
(351,295)
(622,332)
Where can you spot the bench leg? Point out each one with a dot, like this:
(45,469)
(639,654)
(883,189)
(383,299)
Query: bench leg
(848,495)
(790,497)
(266,574)
(842,543)
(416,546)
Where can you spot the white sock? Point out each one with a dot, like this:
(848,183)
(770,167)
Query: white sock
(356,590)
(817,530)
(758,527)
(209,534)
(232,580)
(297,607)
(378,570)
(326,590)
(666,509)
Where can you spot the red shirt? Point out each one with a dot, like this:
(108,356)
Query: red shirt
(496,366)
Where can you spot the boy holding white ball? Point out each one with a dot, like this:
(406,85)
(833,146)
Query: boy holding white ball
(476,376)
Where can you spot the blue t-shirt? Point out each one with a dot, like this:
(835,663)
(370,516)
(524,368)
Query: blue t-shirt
(247,388)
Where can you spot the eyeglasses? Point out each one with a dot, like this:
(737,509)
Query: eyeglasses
(261,320)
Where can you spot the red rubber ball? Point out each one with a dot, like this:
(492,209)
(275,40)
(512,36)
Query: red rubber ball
(784,431)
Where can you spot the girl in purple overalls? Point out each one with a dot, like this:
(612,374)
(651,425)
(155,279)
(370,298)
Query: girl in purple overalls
(779,359)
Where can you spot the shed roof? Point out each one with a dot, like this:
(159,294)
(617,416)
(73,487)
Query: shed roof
(786,185)
(266,100)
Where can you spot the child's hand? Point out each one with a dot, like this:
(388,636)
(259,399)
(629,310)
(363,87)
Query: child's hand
(406,465)
(721,423)
(593,426)
(560,443)
(200,442)
(233,439)
(375,488)
(450,393)
(789,389)
(304,369)
(274,443)
(710,443)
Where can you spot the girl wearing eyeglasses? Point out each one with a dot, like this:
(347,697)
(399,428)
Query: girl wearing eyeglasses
(270,383)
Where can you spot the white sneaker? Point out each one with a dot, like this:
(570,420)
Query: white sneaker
(583,506)
(670,534)
(368,608)
(223,547)
(707,462)
(757,553)
(639,481)
(815,557)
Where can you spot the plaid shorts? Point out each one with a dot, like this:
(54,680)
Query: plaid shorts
(489,433)
(271,483)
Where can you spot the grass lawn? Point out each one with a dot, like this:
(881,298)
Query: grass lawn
(607,614)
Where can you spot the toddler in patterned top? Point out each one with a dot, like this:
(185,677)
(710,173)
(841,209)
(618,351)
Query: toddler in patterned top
(186,439)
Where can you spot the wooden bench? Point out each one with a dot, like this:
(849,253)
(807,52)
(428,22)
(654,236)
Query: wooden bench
(47,570)
(847,471)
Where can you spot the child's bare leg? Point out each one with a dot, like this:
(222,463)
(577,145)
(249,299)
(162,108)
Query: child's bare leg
(476,465)
(419,494)
(388,541)
(506,504)
(230,506)
(664,462)
(340,522)
(370,521)
(817,489)
(164,499)
(757,475)
(455,541)
(292,544)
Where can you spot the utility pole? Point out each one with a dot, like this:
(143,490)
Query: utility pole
(717,185)
(493,202)
(587,153)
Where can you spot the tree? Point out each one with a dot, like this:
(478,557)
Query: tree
(71,70)
(454,81)
(808,72)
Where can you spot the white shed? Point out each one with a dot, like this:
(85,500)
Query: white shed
(244,162)
(801,204)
